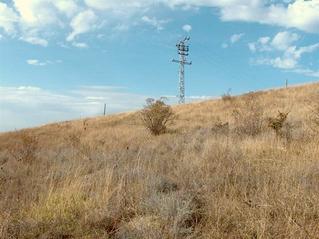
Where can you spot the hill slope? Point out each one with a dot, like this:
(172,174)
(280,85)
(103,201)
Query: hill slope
(220,172)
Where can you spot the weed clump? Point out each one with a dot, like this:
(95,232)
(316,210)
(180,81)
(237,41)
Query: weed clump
(156,115)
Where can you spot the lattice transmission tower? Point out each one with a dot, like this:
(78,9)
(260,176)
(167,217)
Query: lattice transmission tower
(183,52)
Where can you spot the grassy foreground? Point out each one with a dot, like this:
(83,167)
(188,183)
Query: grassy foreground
(220,172)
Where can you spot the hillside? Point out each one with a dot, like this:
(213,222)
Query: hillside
(220,172)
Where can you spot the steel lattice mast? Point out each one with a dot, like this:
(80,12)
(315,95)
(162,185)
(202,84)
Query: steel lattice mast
(183,50)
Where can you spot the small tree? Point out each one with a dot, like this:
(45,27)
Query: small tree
(278,124)
(156,115)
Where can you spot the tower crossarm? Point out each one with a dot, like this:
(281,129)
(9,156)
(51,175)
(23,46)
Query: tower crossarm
(182,62)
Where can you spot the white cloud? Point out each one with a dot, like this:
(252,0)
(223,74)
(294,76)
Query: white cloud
(303,15)
(35,41)
(283,53)
(8,18)
(300,14)
(283,40)
(153,21)
(284,62)
(261,45)
(236,37)
(41,16)
(305,49)
(36,13)
(69,7)
(278,62)
(307,72)
(123,6)
(83,22)
(36,62)
(33,20)
(187,28)
(39,13)
(80,44)
(31,106)
(264,40)
(233,39)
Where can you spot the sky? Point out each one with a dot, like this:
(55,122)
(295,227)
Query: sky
(65,59)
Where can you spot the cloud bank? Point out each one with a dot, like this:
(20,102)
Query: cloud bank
(28,106)
(32,20)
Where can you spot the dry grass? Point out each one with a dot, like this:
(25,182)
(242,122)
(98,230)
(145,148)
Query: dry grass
(109,178)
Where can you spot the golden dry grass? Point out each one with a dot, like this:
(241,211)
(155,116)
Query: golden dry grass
(108,177)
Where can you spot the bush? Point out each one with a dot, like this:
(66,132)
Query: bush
(277,123)
(156,115)
(282,128)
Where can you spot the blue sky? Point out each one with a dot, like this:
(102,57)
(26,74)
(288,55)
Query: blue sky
(63,59)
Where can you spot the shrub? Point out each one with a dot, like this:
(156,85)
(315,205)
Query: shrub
(227,97)
(282,128)
(156,115)
(277,123)
(220,128)
(248,116)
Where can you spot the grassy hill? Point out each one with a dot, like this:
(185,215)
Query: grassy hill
(220,172)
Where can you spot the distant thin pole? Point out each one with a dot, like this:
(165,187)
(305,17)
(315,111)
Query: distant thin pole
(104,109)
(286,83)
